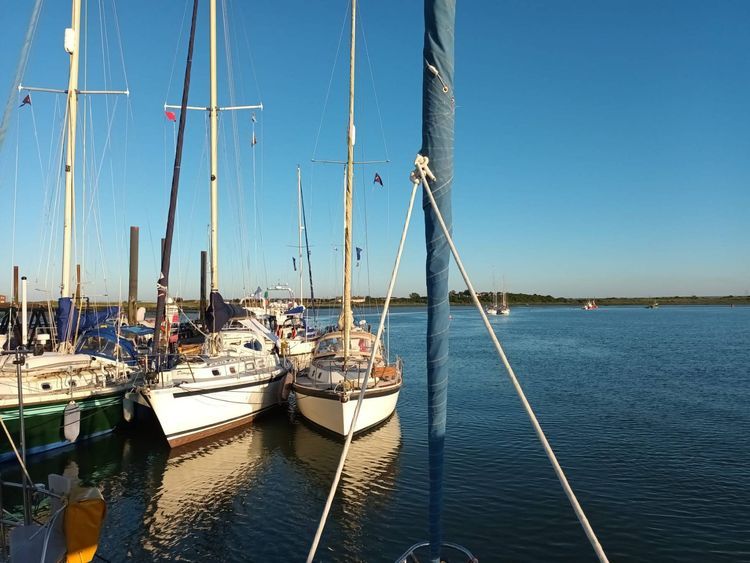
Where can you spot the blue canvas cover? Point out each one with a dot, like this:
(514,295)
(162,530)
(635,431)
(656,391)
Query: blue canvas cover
(219,312)
(102,342)
(68,321)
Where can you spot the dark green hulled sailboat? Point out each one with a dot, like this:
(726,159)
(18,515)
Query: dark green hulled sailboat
(66,396)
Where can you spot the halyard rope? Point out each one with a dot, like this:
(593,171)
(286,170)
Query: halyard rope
(422,173)
(381,326)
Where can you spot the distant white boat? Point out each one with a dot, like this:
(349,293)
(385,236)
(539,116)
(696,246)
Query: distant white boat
(590,305)
(503,308)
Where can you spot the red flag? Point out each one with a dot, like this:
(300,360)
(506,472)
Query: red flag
(170,115)
(26,101)
(378,179)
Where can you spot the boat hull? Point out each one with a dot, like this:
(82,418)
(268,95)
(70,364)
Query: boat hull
(334,411)
(191,412)
(45,422)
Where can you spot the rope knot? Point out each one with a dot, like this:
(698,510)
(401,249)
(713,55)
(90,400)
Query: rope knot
(421,170)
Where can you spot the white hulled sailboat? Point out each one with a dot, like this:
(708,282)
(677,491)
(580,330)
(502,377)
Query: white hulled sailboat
(328,392)
(238,374)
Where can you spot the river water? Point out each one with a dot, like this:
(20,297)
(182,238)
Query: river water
(647,410)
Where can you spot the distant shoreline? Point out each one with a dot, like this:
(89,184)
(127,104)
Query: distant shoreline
(463,300)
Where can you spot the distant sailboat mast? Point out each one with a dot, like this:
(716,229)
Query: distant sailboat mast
(300,228)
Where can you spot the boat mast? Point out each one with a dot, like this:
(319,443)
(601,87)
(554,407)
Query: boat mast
(214,126)
(163,283)
(345,322)
(72,41)
(299,234)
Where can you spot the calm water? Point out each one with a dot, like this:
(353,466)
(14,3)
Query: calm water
(648,411)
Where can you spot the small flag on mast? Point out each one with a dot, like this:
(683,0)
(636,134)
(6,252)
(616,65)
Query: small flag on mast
(294,263)
(378,179)
(26,101)
(254,141)
(171,116)
(359,253)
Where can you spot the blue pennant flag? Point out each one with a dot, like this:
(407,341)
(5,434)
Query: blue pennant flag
(294,263)
(359,253)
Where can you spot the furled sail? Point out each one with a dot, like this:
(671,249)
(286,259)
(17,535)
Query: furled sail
(437,144)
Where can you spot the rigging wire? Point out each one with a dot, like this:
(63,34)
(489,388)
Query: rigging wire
(330,80)
(372,81)
(240,206)
(363,387)
(23,60)
(422,172)
(177,45)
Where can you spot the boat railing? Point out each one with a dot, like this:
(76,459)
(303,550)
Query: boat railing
(29,510)
(410,556)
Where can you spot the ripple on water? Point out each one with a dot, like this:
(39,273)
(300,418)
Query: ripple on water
(646,410)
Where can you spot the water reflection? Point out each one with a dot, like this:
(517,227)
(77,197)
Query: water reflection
(368,481)
(198,485)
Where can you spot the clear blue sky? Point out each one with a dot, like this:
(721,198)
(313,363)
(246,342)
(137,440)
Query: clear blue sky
(602,148)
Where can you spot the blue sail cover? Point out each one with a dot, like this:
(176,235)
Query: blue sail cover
(219,312)
(68,321)
(437,143)
(104,342)
(298,310)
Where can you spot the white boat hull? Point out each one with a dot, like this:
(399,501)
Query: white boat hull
(192,411)
(327,410)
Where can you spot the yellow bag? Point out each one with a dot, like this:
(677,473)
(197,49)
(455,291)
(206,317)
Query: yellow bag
(83,523)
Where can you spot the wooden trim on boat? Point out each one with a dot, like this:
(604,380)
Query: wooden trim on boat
(181,438)
(338,396)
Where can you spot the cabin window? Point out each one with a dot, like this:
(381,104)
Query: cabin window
(72,383)
(232,370)
(215,372)
(249,366)
(46,387)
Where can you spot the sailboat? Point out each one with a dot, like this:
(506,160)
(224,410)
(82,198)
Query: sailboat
(287,318)
(590,305)
(238,374)
(493,309)
(503,308)
(64,396)
(328,392)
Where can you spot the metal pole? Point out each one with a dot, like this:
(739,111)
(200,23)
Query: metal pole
(72,45)
(24,315)
(20,360)
(214,126)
